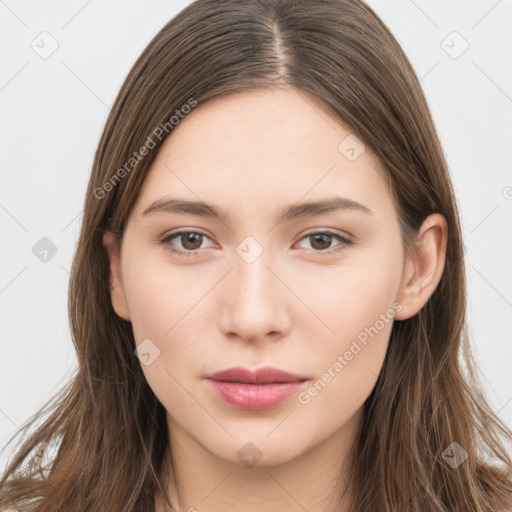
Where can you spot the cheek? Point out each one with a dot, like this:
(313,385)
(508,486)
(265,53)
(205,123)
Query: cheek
(349,375)
(168,307)
(359,308)
(160,295)
(352,297)
(164,305)
(347,363)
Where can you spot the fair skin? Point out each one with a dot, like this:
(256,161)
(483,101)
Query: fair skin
(293,307)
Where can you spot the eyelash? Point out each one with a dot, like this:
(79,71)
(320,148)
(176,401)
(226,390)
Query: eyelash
(345,242)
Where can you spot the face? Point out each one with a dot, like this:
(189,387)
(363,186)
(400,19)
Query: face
(308,290)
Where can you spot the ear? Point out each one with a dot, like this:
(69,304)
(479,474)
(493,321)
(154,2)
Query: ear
(113,246)
(424,266)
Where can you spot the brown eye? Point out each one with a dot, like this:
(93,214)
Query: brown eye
(191,241)
(320,241)
(184,243)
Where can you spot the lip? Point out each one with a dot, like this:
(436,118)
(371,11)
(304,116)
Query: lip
(254,390)
(265,375)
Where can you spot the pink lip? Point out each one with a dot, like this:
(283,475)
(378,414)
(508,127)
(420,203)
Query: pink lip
(261,389)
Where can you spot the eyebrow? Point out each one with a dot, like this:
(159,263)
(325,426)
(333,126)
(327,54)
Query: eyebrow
(202,209)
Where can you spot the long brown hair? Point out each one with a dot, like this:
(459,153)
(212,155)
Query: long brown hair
(107,425)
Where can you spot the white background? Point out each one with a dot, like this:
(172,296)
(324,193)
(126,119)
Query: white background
(52,112)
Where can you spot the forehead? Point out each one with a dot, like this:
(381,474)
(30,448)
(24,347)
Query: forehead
(271,144)
(271,126)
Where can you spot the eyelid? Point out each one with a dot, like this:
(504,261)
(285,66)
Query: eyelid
(342,234)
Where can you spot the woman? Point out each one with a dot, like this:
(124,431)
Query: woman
(268,298)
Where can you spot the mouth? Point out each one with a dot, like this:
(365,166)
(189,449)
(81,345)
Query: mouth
(254,390)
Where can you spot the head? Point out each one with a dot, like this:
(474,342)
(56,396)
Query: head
(267,108)
(262,283)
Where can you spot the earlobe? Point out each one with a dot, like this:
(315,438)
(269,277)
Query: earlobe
(424,267)
(118,298)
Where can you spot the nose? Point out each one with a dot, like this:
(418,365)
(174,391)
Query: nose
(254,301)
